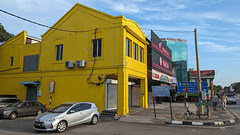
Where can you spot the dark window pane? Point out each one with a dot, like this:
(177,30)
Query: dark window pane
(99,47)
(94,48)
(59,52)
(11,61)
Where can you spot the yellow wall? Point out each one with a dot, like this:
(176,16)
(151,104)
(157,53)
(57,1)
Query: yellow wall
(71,84)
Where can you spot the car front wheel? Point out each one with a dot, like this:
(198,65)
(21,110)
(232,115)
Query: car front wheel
(94,120)
(13,116)
(62,126)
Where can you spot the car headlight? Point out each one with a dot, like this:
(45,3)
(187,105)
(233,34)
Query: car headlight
(6,111)
(52,119)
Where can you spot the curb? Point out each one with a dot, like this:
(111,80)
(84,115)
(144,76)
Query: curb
(220,123)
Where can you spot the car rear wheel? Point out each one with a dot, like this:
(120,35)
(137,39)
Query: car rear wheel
(62,126)
(13,116)
(94,120)
(39,112)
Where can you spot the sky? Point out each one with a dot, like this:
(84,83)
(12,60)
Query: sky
(217,23)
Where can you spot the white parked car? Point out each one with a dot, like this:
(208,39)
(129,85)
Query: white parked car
(66,115)
(231,99)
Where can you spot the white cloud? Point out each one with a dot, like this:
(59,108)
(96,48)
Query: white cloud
(213,47)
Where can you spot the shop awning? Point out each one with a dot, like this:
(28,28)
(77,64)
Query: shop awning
(30,83)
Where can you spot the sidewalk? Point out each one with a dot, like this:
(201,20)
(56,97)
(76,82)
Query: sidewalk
(163,115)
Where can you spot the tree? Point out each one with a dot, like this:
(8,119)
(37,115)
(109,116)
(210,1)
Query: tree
(217,88)
(236,87)
(4,35)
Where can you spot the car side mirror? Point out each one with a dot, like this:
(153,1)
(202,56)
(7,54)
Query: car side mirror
(71,111)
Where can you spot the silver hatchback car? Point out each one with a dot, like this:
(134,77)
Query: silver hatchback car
(66,115)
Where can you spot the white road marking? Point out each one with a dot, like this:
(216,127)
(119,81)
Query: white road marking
(236,115)
(207,127)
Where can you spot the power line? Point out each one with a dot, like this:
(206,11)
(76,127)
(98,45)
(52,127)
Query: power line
(85,30)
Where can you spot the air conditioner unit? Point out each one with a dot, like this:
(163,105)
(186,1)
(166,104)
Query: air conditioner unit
(69,64)
(80,63)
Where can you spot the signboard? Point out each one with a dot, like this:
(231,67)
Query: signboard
(158,76)
(192,87)
(204,96)
(161,56)
(51,87)
(160,91)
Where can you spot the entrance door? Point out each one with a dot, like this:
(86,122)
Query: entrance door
(111,96)
(136,93)
(31,93)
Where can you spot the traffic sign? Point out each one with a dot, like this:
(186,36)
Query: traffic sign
(160,91)
(192,87)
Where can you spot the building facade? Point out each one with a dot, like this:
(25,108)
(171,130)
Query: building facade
(159,64)
(179,56)
(86,56)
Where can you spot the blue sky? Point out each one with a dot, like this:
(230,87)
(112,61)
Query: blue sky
(217,23)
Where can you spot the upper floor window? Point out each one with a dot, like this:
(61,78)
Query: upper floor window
(128,47)
(12,61)
(59,52)
(97,47)
(135,46)
(141,54)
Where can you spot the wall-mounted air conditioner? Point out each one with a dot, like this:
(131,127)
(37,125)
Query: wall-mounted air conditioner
(69,64)
(80,63)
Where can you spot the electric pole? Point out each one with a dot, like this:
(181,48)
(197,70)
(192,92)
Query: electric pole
(198,73)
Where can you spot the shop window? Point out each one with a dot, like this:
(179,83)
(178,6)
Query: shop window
(128,47)
(59,52)
(141,54)
(97,47)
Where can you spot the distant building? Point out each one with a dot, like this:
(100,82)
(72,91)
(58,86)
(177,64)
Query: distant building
(179,56)
(206,76)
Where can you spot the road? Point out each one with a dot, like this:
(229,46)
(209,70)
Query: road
(23,126)
(235,109)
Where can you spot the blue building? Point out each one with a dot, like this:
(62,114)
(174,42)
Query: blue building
(179,56)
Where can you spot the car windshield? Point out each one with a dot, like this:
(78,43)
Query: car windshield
(230,96)
(61,108)
(18,104)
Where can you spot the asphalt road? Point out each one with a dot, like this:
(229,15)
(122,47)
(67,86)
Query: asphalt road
(235,109)
(23,126)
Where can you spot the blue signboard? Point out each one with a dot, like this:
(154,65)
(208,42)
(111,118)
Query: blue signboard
(160,91)
(192,87)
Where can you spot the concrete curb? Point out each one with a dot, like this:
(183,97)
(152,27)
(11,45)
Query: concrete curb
(220,123)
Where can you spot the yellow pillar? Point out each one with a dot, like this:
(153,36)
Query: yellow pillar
(144,93)
(122,108)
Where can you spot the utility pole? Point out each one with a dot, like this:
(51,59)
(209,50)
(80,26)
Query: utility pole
(198,73)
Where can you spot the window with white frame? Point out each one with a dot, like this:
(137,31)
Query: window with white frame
(59,52)
(97,47)
(140,54)
(135,52)
(128,47)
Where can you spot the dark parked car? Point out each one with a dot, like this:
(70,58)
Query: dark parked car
(6,101)
(22,108)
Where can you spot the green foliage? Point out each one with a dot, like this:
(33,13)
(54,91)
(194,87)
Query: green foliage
(217,88)
(236,87)
(4,35)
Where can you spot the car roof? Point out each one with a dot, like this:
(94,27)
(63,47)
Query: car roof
(77,103)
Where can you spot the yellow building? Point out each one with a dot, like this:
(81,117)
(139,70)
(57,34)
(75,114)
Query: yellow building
(86,56)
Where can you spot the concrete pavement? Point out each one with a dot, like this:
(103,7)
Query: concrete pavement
(163,115)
